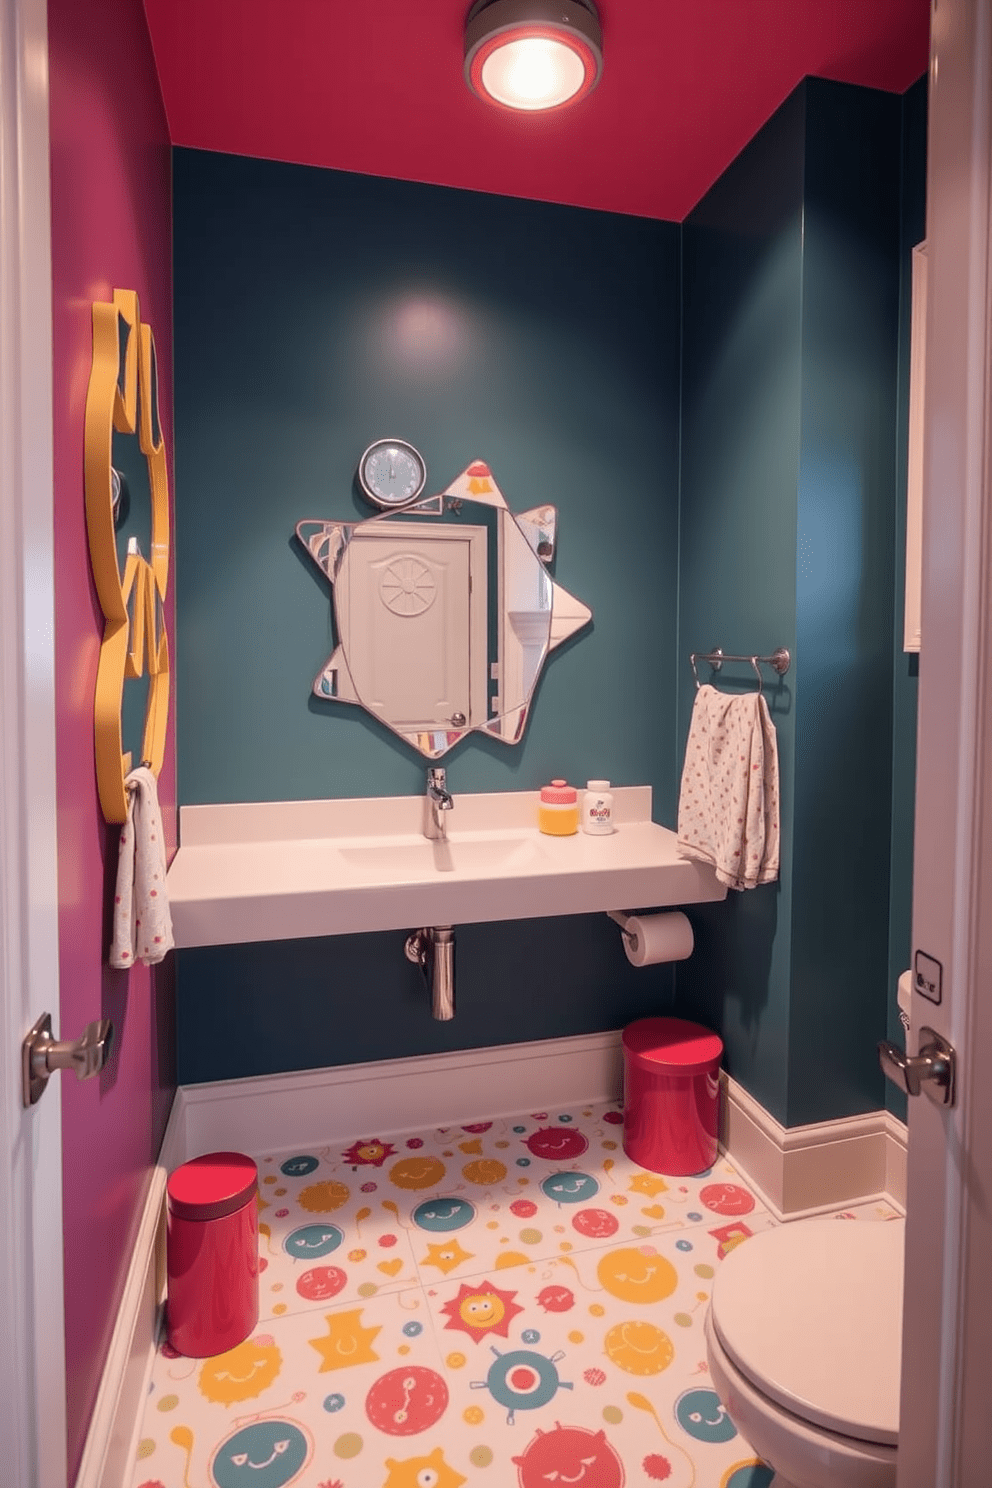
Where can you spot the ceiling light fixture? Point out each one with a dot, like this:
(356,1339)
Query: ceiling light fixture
(533,54)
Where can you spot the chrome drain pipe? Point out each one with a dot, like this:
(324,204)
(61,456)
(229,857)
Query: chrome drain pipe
(433,950)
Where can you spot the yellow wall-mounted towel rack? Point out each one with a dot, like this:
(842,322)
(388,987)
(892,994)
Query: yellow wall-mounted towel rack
(123,395)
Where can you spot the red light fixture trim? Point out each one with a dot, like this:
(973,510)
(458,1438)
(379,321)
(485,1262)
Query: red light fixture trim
(533,55)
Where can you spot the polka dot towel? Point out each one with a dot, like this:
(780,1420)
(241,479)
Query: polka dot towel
(142,922)
(729,801)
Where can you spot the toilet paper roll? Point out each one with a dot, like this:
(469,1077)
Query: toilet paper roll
(649,939)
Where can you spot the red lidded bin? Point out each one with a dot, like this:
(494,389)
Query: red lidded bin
(212,1254)
(671,1111)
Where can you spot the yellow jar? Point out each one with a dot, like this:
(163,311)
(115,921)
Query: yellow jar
(558,811)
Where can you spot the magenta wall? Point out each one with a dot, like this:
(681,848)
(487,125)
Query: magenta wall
(111,227)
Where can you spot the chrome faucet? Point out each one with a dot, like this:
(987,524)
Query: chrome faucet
(436,800)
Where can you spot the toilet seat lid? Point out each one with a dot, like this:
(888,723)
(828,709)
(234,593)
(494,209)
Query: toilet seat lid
(811,1313)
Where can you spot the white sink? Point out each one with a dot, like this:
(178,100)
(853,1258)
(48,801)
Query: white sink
(279,870)
(394,860)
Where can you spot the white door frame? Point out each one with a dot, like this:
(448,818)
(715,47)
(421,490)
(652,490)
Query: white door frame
(32,1341)
(947,1382)
(947,1324)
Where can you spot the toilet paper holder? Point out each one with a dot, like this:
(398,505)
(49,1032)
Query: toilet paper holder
(639,932)
(620,917)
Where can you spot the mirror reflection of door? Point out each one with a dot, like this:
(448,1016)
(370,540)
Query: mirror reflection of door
(405,603)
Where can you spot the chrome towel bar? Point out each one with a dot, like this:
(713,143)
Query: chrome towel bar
(780,660)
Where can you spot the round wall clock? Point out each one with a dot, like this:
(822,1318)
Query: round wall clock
(391,473)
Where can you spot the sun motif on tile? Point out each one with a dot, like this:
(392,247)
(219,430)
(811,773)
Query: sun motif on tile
(417,1172)
(446,1256)
(637,1275)
(484,1171)
(323,1198)
(368,1152)
(347,1342)
(639,1348)
(647,1183)
(481,1310)
(242,1372)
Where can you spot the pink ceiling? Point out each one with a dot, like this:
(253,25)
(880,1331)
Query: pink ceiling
(376,86)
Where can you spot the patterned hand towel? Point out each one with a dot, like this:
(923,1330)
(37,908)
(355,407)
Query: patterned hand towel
(728,805)
(142,922)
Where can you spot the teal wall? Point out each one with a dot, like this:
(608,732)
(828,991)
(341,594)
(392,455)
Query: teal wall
(315,311)
(844,602)
(741,408)
(713,410)
(791,274)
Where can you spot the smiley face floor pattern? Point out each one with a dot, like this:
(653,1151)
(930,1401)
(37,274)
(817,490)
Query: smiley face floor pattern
(510,1304)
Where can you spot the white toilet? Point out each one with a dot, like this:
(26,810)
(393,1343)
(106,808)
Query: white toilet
(804,1336)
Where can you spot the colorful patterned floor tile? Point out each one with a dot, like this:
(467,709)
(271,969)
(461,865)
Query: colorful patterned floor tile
(372,1216)
(510,1303)
(324,1232)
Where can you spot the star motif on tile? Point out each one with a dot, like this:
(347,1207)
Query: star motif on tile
(480,1309)
(347,1342)
(648,1183)
(370,1150)
(446,1256)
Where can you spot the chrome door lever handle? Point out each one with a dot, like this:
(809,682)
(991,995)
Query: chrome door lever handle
(42,1055)
(932,1070)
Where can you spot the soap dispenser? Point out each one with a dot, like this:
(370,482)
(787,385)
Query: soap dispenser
(597,809)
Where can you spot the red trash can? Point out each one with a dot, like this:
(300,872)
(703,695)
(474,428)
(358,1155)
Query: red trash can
(212,1254)
(671,1108)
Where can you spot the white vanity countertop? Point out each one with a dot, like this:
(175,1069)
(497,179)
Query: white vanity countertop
(280,870)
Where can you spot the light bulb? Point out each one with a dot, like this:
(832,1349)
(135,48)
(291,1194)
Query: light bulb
(533,55)
(533,72)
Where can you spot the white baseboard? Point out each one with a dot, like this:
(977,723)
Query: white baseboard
(396,1095)
(803,1170)
(108,1453)
(797,1171)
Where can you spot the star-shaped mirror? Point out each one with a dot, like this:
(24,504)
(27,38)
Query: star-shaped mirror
(445,612)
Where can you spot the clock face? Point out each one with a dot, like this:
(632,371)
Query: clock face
(391,472)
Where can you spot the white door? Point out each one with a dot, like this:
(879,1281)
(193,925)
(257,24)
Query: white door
(32,1356)
(947,1326)
(411,607)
